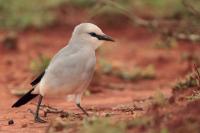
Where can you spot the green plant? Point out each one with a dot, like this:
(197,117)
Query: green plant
(39,65)
(110,7)
(156,8)
(164,130)
(166,43)
(82,3)
(61,125)
(159,98)
(105,66)
(194,96)
(141,121)
(192,58)
(137,73)
(133,74)
(20,14)
(161,7)
(189,81)
(102,125)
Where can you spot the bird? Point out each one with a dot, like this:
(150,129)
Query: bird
(71,69)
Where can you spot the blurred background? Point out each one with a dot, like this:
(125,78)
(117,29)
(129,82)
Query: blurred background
(144,79)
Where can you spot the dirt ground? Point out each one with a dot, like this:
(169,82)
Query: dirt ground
(132,47)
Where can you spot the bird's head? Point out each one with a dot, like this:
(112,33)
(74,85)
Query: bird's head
(89,34)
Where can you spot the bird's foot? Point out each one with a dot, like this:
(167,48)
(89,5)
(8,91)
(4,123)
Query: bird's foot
(39,120)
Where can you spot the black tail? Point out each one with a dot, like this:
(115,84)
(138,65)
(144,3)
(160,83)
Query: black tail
(25,99)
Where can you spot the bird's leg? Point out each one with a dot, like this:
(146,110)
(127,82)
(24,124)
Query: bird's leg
(37,117)
(78,100)
(78,105)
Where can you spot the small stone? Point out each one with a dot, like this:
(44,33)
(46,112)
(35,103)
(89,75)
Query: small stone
(10,41)
(10,122)
(24,125)
(107,115)
(64,115)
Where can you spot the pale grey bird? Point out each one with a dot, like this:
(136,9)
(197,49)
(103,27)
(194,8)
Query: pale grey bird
(71,69)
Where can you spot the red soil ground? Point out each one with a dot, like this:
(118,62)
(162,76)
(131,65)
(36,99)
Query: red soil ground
(133,47)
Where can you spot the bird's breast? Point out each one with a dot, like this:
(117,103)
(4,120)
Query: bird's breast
(69,73)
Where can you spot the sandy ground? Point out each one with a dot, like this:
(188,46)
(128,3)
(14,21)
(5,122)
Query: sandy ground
(132,47)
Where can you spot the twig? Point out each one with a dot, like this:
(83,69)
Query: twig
(61,112)
(48,109)
(43,106)
(197,72)
(191,8)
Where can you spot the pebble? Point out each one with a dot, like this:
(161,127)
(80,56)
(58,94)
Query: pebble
(24,125)
(10,122)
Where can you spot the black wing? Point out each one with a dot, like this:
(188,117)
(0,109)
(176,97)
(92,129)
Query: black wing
(37,80)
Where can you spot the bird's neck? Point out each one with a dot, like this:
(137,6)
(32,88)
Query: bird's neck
(82,44)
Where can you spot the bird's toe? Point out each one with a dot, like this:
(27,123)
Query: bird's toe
(39,120)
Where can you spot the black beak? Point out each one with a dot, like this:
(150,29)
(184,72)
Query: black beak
(101,37)
(105,37)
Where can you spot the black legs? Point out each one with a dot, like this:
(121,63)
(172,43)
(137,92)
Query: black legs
(37,117)
(78,105)
(78,101)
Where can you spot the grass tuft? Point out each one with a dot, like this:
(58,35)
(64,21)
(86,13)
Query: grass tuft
(105,66)
(136,73)
(39,65)
(188,82)
(102,125)
(159,98)
(194,96)
(20,14)
(141,121)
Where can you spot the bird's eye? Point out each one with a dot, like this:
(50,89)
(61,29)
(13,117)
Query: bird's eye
(93,34)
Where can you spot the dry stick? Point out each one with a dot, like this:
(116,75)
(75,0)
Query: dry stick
(53,110)
(195,12)
(61,112)
(42,106)
(50,109)
(197,72)
(191,8)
